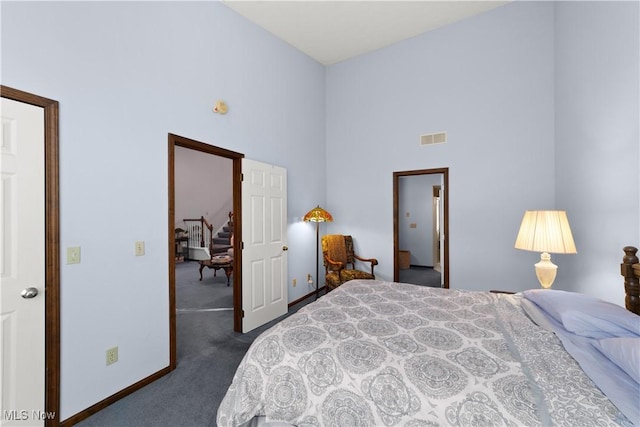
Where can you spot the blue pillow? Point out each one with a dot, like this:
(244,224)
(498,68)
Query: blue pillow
(555,302)
(624,352)
(585,315)
(598,325)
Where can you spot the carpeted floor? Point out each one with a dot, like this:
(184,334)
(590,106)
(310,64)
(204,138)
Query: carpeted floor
(208,353)
(425,276)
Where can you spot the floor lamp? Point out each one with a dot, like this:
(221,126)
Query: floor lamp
(317,215)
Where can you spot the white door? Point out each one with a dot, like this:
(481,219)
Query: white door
(437,227)
(442,236)
(22,264)
(264,236)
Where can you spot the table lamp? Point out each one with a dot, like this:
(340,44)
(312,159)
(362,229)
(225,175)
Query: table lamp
(546,232)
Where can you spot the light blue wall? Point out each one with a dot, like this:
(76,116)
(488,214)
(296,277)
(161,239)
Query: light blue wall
(126,74)
(540,102)
(597,140)
(488,81)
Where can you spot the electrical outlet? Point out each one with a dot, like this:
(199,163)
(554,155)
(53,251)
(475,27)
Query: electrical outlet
(309,279)
(112,355)
(139,248)
(295,282)
(73,255)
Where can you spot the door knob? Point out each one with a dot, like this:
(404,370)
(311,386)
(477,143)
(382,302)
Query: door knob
(285,248)
(29,293)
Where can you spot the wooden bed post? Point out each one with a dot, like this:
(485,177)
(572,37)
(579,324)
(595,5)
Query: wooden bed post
(630,269)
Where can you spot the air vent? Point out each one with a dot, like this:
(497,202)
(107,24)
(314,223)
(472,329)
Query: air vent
(433,138)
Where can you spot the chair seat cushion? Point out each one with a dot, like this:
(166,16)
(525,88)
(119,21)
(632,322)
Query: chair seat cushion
(347,275)
(333,281)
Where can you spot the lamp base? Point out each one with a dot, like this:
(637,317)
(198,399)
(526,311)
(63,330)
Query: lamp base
(546,270)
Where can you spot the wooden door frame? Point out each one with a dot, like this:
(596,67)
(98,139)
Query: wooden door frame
(52,246)
(179,141)
(445,219)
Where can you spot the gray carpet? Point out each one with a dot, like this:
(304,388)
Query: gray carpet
(425,276)
(208,353)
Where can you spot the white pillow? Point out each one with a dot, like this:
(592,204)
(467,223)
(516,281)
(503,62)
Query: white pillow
(624,352)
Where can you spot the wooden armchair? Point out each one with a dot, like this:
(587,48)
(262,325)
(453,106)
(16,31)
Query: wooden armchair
(337,255)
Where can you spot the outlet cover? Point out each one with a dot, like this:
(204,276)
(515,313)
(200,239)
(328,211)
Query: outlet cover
(112,355)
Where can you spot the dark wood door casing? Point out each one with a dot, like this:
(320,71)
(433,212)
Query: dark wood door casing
(445,219)
(179,141)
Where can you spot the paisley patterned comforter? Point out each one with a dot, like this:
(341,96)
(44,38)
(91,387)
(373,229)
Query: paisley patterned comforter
(375,353)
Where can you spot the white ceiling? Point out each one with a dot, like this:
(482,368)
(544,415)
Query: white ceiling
(332,31)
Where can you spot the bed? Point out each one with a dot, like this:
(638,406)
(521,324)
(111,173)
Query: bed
(374,353)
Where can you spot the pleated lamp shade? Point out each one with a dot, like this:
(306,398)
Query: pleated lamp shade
(546,231)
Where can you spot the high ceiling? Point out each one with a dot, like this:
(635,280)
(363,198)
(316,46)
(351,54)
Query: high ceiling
(332,31)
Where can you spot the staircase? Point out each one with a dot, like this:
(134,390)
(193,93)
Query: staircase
(221,242)
(200,235)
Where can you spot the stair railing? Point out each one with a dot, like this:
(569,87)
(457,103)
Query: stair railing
(198,231)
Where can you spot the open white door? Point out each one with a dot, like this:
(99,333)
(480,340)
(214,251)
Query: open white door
(22,265)
(442,235)
(264,236)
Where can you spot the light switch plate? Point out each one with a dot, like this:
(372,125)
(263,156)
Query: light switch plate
(139,248)
(73,255)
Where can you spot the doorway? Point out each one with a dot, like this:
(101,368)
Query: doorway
(421,220)
(50,353)
(177,142)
